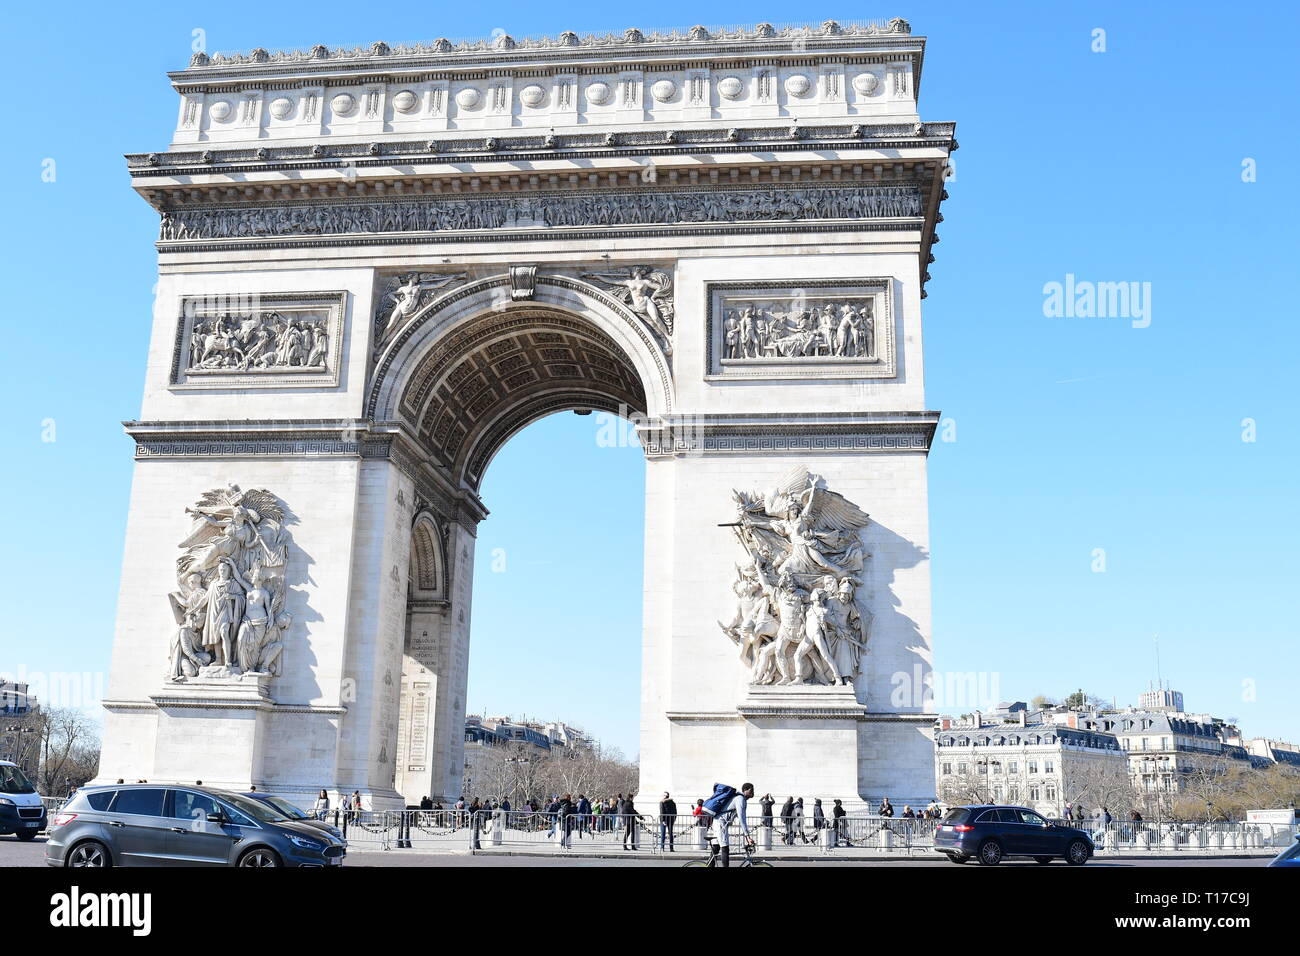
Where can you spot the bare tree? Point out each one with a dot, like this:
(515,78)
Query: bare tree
(69,750)
(1100,783)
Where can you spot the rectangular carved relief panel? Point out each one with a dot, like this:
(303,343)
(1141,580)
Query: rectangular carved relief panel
(824,328)
(270,339)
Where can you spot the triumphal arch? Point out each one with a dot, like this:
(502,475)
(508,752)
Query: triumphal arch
(378,264)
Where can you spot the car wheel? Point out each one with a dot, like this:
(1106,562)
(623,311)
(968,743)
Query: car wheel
(1077,853)
(26,835)
(89,854)
(259,856)
(1044,859)
(990,853)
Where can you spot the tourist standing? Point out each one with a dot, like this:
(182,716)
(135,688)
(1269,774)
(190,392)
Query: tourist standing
(630,818)
(321,807)
(787,820)
(799,821)
(839,813)
(767,803)
(667,820)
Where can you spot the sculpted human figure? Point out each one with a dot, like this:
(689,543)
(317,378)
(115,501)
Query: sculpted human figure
(776,658)
(319,345)
(258,645)
(846,628)
(406,298)
(188,606)
(805,555)
(812,659)
(642,286)
(752,625)
(731,336)
(225,610)
(750,343)
(826,330)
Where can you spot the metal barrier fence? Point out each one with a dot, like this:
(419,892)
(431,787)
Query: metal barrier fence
(1185,837)
(460,830)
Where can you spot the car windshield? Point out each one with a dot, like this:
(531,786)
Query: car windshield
(13,780)
(956,815)
(285,807)
(254,808)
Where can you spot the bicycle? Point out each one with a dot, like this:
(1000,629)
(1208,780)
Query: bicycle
(715,851)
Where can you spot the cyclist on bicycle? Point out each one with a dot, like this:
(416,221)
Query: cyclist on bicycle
(725,806)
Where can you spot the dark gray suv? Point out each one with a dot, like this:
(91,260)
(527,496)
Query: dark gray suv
(154,825)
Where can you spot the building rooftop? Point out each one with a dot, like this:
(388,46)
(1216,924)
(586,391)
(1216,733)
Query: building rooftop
(827,32)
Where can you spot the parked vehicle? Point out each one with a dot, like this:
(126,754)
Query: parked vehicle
(21,811)
(1288,857)
(155,825)
(991,834)
(295,813)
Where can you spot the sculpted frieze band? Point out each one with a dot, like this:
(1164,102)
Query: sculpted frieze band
(438,214)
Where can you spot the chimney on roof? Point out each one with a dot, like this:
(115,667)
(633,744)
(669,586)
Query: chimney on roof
(979,720)
(1021,715)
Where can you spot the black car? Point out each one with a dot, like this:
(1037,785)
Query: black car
(292,812)
(991,834)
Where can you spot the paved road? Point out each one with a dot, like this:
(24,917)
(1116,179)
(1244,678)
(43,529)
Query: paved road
(16,853)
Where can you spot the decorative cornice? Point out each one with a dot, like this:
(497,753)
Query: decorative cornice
(540,146)
(684,436)
(698,40)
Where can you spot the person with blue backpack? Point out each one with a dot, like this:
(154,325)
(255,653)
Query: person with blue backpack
(725,806)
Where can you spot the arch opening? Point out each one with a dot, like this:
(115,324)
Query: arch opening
(466,392)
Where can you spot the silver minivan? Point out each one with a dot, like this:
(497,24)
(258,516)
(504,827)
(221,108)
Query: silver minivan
(157,825)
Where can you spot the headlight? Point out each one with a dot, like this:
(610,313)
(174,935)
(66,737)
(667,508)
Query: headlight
(6,802)
(305,843)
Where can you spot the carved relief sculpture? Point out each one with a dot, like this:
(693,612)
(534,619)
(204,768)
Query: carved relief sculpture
(795,327)
(229,608)
(258,340)
(797,617)
(413,292)
(647,291)
(637,208)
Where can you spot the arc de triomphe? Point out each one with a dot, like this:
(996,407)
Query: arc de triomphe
(376,265)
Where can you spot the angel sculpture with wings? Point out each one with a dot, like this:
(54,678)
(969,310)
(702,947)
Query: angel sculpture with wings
(647,291)
(805,549)
(409,293)
(229,610)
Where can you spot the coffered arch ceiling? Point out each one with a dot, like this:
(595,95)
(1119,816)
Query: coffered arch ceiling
(503,370)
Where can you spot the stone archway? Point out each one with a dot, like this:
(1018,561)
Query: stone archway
(376,266)
(464,381)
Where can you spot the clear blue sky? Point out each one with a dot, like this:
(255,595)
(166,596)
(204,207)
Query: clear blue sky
(1072,434)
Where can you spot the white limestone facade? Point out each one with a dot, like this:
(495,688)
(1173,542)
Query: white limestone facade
(369,279)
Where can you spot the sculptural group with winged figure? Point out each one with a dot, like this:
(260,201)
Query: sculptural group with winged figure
(798,619)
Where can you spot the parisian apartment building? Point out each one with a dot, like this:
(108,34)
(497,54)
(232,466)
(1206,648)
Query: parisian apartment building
(1046,759)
